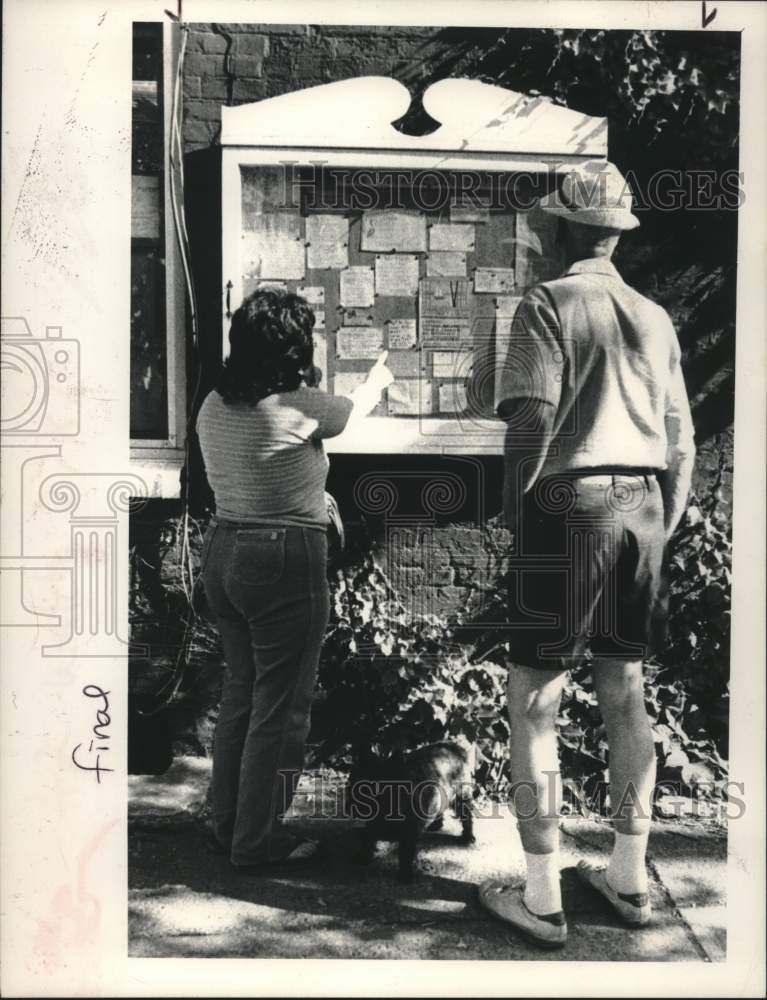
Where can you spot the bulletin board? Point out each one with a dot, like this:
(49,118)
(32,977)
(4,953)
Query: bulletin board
(392,247)
(432,287)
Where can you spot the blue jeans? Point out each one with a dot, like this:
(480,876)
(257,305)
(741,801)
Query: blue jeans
(267,588)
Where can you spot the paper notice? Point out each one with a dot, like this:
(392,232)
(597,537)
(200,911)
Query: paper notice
(277,256)
(320,359)
(401,334)
(357,286)
(452,397)
(439,332)
(469,213)
(446,264)
(397,275)
(452,364)
(399,231)
(344,383)
(327,239)
(406,363)
(445,236)
(499,280)
(319,319)
(314,294)
(409,397)
(359,342)
(444,297)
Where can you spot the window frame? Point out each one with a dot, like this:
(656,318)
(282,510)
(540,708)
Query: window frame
(159,460)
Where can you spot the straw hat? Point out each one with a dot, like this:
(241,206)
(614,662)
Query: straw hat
(596,194)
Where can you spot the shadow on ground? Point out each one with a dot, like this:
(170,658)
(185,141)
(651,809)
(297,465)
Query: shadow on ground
(185,901)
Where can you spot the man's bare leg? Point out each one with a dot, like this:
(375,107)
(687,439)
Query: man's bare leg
(533,703)
(620,691)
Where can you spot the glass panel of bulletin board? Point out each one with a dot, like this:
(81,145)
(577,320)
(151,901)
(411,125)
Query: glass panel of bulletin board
(423,264)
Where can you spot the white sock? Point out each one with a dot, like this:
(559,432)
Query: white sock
(627,871)
(543,893)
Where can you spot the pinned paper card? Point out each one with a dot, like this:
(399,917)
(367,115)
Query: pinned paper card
(404,363)
(344,383)
(452,364)
(452,397)
(357,286)
(401,334)
(399,231)
(409,397)
(439,332)
(469,213)
(276,256)
(506,306)
(444,297)
(498,280)
(321,354)
(446,264)
(319,319)
(314,294)
(397,275)
(327,240)
(359,342)
(446,236)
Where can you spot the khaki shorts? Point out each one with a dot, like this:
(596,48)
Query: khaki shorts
(588,570)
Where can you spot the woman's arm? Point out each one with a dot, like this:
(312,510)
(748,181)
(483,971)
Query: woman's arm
(341,411)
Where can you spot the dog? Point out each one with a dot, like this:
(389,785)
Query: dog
(400,796)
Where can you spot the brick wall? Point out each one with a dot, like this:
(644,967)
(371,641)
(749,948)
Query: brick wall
(236,64)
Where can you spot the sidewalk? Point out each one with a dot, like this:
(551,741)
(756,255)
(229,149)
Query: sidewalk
(185,901)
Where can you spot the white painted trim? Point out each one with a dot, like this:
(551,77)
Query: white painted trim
(474,117)
(420,436)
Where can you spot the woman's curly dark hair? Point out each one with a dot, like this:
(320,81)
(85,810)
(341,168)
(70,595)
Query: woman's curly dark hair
(271,347)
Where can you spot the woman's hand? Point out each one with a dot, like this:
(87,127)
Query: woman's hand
(380,376)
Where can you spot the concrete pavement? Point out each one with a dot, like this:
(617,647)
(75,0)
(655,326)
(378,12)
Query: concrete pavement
(185,901)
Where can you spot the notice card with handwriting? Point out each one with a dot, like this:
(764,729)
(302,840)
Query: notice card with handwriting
(359,342)
(401,334)
(357,287)
(392,230)
(327,241)
(397,274)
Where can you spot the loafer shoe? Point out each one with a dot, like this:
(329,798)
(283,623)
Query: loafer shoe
(633,908)
(505,902)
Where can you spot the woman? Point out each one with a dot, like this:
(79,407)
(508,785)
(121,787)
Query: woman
(263,564)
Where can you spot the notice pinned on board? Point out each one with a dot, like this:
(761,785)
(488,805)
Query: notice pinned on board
(357,317)
(357,286)
(409,398)
(397,275)
(319,319)
(469,213)
(277,256)
(320,358)
(452,397)
(384,231)
(452,364)
(444,297)
(446,236)
(439,332)
(401,334)
(314,294)
(359,342)
(446,264)
(344,383)
(506,306)
(497,280)
(327,241)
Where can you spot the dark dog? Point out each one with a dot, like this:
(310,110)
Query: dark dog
(401,796)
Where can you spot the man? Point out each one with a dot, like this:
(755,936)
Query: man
(598,465)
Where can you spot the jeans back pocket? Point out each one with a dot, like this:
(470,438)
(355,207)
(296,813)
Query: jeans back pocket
(259,556)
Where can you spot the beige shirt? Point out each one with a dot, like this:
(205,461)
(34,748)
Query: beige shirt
(266,463)
(607,359)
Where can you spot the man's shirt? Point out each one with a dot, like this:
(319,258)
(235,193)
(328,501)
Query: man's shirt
(607,359)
